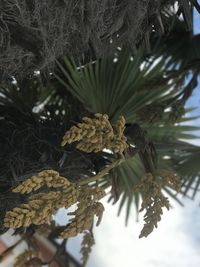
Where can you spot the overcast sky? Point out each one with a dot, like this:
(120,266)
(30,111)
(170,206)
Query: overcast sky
(175,243)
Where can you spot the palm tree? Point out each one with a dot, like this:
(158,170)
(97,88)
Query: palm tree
(149,91)
(36,113)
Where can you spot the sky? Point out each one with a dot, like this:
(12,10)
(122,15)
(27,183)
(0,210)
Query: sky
(176,241)
(172,244)
(196,21)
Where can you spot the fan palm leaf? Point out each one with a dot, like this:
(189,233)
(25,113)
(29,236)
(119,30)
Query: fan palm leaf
(119,85)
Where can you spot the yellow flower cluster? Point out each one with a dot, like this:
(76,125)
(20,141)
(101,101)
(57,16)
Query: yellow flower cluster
(50,178)
(36,211)
(153,199)
(25,257)
(118,144)
(83,220)
(94,135)
(86,246)
(87,208)
(41,206)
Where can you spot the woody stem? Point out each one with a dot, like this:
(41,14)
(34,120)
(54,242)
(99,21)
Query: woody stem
(101,173)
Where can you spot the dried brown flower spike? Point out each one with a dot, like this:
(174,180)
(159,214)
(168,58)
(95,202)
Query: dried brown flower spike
(23,259)
(171,179)
(86,246)
(153,199)
(87,208)
(83,219)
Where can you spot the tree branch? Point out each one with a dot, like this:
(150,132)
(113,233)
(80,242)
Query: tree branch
(101,173)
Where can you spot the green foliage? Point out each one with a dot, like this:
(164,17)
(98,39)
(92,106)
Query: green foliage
(119,85)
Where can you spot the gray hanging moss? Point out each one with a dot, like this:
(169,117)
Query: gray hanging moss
(33,33)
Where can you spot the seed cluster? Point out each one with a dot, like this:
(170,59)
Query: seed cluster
(25,257)
(153,199)
(86,246)
(94,135)
(87,207)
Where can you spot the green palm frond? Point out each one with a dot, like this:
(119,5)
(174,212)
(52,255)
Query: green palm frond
(32,98)
(119,85)
(169,133)
(128,175)
(177,154)
(187,165)
(26,95)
